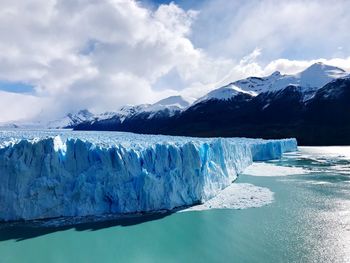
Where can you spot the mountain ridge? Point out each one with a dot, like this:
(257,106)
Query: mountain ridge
(275,106)
(272,111)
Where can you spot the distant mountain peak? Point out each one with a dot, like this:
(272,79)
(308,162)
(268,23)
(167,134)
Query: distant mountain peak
(322,68)
(276,74)
(307,82)
(178,101)
(319,74)
(85,112)
(71,119)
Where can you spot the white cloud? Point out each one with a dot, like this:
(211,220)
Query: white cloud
(101,54)
(249,66)
(19,106)
(293,66)
(293,29)
(96,54)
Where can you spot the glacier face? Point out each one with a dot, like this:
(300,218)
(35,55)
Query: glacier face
(45,174)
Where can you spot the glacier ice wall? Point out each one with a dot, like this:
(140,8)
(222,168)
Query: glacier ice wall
(53,174)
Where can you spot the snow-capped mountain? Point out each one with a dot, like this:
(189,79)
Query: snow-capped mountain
(308,105)
(168,106)
(318,75)
(308,81)
(69,120)
(171,105)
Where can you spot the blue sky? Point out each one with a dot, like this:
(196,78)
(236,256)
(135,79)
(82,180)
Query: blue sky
(186,4)
(16,87)
(67,55)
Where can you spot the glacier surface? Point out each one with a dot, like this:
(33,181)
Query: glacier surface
(47,174)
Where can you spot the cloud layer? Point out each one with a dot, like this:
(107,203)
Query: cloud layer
(101,54)
(96,54)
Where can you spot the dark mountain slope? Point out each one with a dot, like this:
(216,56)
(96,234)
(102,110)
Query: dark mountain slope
(322,119)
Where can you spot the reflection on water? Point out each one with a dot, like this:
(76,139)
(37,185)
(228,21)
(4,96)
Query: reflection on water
(308,221)
(326,202)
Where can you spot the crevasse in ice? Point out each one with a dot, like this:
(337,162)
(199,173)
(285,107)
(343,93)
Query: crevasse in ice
(45,174)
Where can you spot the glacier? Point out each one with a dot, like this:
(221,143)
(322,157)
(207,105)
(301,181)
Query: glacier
(57,173)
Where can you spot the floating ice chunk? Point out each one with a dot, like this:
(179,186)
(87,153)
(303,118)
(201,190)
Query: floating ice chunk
(237,196)
(268,169)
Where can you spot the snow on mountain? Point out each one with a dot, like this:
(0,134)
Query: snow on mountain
(5,125)
(309,81)
(225,93)
(67,121)
(318,75)
(105,115)
(122,113)
(48,174)
(171,104)
(70,120)
(259,85)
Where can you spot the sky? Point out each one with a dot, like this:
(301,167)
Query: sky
(59,56)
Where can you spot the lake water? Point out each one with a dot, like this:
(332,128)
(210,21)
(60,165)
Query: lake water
(307,221)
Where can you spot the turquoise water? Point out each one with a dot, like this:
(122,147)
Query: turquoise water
(308,221)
